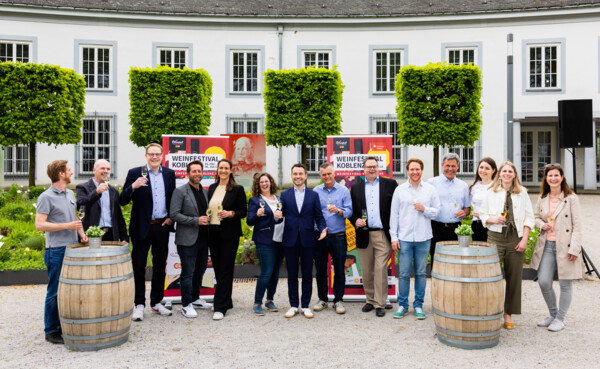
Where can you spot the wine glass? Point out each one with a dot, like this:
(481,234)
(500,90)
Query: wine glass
(279,205)
(550,220)
(364,215)
(81,211)
(145,173)
(209,212)
(262,203)
(504,213)
(219,208)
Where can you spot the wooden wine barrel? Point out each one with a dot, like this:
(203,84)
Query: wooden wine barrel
(467,294)
(95,296)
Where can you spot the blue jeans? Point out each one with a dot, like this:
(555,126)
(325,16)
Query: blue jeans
(193,265)
(53,258)
(270,257)
(418,252)
(336,246)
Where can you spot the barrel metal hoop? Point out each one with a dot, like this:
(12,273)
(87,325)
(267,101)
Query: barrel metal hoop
(469,345)
(468,335)
(96,337)
(95,253)
(468,280)
(96,281)
(467,317)
(466,261)
(97,262)
(96,320)
(466,251)
(96,346)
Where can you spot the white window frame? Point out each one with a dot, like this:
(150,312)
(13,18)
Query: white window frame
(172,51)
(10,154)
(247,120)
(110,146)
(390,81)
(397,148)
(474,157)
(461,51)
(317,53)
(312,154)
(244,68)
(543,61)
(248,126)
(111,77)
(15,44)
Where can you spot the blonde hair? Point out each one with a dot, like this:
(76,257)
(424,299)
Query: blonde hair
(516,185)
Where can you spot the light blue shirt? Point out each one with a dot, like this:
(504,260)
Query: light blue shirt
(105,216)
(454,196)
(408,224)
(339,196)
(372,201)
(299,194)
(159,206)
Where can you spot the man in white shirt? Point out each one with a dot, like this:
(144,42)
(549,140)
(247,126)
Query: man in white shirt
(413,206)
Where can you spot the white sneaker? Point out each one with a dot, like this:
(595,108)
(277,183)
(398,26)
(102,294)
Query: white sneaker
(189,312)
(320,305)
(291,313)
(201,304)
(546,322)
(556,326)
(138,313)
(218,316)
(339,308)
(161,309)
(307,313)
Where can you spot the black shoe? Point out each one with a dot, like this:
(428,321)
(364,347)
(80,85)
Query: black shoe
(388,306)
(55,337)
(368,307)
(380,312)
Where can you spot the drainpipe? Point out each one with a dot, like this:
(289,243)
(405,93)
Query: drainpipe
(509,98)
(280,165)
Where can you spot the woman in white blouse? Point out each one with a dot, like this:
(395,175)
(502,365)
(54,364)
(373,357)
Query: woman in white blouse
(485,174)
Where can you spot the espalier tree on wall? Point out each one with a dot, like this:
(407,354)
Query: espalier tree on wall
(168,100)
(303,106)
(40,103)
(439,105)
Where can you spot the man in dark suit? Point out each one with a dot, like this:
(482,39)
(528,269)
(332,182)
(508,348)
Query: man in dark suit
(101,203)
(149,226)
(373,198)
(188,210)
(302,210)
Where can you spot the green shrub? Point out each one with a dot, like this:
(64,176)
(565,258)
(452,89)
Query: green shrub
(34,192)
(18,211)
(4,254)
(14,193)
(34,243)
(533,236)
(24,259)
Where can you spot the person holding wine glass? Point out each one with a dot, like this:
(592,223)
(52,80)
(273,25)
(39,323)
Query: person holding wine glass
(264,214)
(227,202)
(507,194)
(485,174)
(558,218)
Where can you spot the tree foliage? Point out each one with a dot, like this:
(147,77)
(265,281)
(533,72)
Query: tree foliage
(303,106)
(168,100)
(439,105)
(40,103)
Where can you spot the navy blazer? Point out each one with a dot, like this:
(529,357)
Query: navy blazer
(264,226)
(141,211)
(302,223)
(234,200)
(88,197)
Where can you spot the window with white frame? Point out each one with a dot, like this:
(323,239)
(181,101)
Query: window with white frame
(467,159)
(96,66)
(318,59)
(172,57)
(15,51)
(244,73)
(387,65)
(244,125)
(463,55)
(16,160)
(543,66)
(315,156)
(96,142)
(390,127)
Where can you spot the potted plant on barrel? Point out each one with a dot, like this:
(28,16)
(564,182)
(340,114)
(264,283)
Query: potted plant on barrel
(94,234)
(464,232)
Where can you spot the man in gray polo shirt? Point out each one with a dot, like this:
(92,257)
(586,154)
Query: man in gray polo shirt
(57,217)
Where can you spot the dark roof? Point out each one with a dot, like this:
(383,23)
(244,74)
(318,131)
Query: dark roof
(306,8)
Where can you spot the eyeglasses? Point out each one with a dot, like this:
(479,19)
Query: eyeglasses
(154,155)
(371,167)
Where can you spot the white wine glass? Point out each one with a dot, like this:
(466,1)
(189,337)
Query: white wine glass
(81,211)
(219,208)
(262,203)
(365,216)
(145,174)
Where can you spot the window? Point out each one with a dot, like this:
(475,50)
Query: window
(15,51)
(543,66)
(315,156)
(96,67)
(174,58)
(319,59)
(389,126)
(96,143)
(387,66)
(467,159)
(16,160)
(244,71)
(245,126)
(245,123)
(461,56)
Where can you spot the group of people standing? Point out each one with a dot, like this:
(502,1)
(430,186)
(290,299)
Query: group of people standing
(307,225)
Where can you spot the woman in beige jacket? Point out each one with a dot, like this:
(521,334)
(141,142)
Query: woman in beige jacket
(558,245)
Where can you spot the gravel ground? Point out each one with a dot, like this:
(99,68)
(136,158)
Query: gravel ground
(356,339)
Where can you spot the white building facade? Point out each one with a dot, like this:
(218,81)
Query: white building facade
(556,53)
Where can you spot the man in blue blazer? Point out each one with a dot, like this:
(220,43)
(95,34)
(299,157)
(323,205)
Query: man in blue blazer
(149,226)
(302,210)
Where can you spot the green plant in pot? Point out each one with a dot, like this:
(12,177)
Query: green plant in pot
(94,234)
(464,232)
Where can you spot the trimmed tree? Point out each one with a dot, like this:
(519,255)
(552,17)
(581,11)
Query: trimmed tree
(168,100)
(40,103)
(439,105)
(303,106)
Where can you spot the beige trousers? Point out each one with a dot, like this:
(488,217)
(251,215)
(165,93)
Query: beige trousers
(374,262)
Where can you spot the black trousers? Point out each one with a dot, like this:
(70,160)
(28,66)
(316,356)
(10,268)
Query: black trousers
(158,238)
(223,250)
(479,231)
(442,232)
(193,265)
